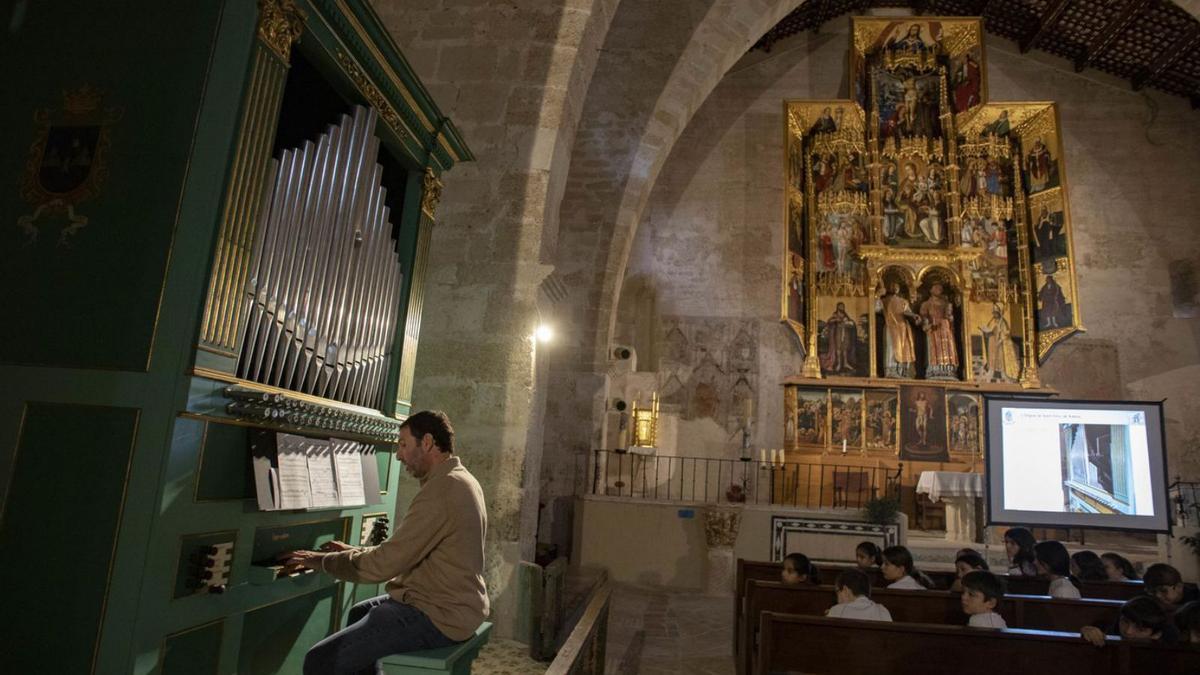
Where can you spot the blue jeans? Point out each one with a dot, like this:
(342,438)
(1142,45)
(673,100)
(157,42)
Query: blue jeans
(374,629)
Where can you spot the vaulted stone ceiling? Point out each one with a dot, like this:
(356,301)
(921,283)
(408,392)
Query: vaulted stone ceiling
(1151,43)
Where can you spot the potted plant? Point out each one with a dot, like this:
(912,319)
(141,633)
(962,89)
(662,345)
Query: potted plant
(882,510)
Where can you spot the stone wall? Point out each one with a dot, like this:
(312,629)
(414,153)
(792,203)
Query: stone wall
(513,77)
(709,245)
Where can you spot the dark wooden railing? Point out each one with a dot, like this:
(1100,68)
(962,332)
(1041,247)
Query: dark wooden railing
(583,651)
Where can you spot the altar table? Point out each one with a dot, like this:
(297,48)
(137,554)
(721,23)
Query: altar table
(958,491)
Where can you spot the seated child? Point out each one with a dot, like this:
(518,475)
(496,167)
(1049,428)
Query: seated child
(866,555)
(1018,544)
(1118,567)
(900,572)
(1087,566)
(1187,622)
(1164,583)
(966,562)
(982,592)
(1142,618)
(797,569)
(1054,562)
(854,599)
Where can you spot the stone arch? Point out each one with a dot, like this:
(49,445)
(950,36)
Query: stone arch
(602,207)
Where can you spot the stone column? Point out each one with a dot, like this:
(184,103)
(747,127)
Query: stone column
(721,525)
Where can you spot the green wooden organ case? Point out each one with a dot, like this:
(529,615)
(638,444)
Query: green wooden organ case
(216,222)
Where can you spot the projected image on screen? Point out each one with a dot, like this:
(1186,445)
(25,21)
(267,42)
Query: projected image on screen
(1066,464)
(1098,468)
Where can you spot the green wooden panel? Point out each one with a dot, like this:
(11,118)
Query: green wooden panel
(193,652)
(225,468)
(92,299)
(58,551)
(276,637)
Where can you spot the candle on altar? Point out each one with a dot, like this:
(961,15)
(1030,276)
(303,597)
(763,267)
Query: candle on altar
(762,455)
(843,446)
(774,456)
(748,409)
(783,455)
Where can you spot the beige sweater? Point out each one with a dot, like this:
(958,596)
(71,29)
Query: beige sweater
(434,559)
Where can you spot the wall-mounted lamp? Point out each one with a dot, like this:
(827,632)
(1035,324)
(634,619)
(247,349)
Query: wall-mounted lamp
(645,424)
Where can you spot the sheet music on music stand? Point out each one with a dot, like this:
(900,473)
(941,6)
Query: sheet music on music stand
(298,472)
(290,476)
(321,479)
(348,462)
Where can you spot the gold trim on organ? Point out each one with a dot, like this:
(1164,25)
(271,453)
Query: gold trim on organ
(220,324)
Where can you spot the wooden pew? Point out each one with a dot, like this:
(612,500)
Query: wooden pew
(932,607)
(820,645)
(769,571)
(751,570)
(1110,590)
(758,570)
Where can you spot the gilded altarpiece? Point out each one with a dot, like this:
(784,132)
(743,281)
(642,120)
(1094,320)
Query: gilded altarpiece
(928,250)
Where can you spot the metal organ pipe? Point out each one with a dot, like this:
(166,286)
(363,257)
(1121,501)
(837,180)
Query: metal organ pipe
(325,277)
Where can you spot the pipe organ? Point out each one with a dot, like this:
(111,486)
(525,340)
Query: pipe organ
(321,297)
(216,375)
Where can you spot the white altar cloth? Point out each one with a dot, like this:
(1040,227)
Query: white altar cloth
(958,491)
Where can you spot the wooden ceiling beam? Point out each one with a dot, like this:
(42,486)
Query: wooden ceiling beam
(1046,23)
(1109,33)
(1167,57)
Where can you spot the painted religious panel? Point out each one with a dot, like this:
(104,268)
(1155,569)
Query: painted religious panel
(956,44)
(846,418)
(812,417)
(914,199)
(964,423)
(827,183)
(1041,150)
(923,424)
(882,420)
(909,104)
(994,238)
(1048,242)
(842,329)
(994,351)
(841,228)
(1053,269)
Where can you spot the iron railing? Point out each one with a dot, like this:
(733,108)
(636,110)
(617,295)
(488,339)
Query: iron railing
(724,481)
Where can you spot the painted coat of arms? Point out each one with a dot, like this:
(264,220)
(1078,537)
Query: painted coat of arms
(66,163)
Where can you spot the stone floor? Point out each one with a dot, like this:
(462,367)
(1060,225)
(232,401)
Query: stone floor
(653,631)
(506,657)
